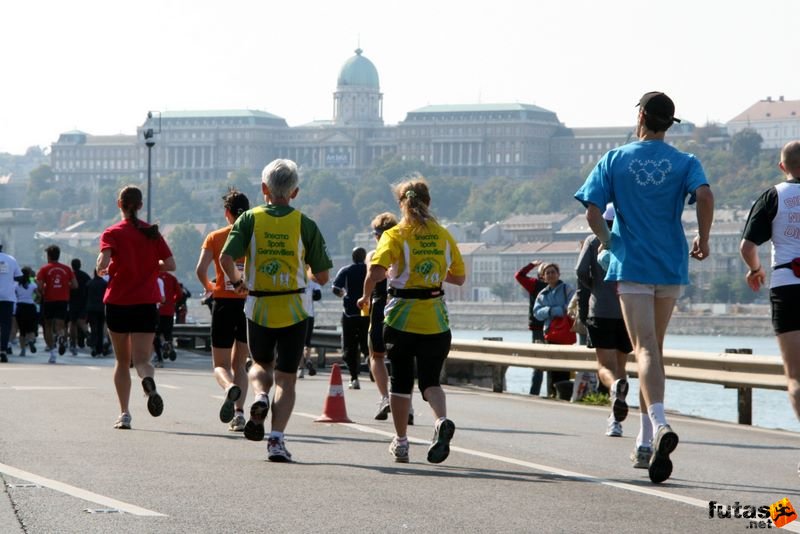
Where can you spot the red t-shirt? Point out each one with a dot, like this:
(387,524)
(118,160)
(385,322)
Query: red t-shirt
(171,291)
(134,264)
(53,279)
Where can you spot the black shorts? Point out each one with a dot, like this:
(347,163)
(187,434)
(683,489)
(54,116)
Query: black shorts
(55,310)
(309,330)
(76,312)
(785,302)
(228,323)
(608,334)
(26,318)
(263,342)
(376,317)
(429,351)
(133,319)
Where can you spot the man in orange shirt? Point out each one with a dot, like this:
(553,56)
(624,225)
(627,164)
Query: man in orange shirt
(228,322)
(55,280)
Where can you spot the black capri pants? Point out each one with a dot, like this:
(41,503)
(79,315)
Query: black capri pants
(428,350)
(785,301)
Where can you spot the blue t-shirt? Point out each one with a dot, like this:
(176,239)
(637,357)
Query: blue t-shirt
(648,183)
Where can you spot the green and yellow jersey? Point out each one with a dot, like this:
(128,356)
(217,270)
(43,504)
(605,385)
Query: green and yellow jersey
(277,243)
(418,258)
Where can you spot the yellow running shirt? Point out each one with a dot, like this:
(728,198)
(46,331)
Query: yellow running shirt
(418,258)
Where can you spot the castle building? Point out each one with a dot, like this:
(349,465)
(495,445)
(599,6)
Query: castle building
(476,141)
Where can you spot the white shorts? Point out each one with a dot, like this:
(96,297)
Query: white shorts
(659,291)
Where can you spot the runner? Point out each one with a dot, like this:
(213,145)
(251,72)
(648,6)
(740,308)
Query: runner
(162,342)
(349,285)
(132,253)
(417,255)
(55,281)
(228,323)
(377,348)
(77,308)
(281,247)
(10,274)
(26,311)
(316,294)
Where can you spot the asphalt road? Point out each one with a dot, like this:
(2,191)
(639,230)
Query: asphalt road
(518,464)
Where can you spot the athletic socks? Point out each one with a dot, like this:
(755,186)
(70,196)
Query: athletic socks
(645,437)
(275,435)
(657,416)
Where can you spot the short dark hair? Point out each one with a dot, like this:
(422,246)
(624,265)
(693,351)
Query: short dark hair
(76,264)
(53,252)
(235,202)
(359,255)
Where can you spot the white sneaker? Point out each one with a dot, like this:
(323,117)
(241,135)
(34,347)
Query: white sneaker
(301,373)
(399,450)
(354,384)
(383,409)
(52,357)
(640,457)
(276,451)
(619,390)
(614,429)
(237,423)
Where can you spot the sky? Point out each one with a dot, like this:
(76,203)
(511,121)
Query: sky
(99,66)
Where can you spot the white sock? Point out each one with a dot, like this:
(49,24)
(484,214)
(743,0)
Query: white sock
(645,437)
(401,440)
(276,435)
(657,416)
(262,397)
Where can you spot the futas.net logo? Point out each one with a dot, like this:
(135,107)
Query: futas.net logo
(775,515)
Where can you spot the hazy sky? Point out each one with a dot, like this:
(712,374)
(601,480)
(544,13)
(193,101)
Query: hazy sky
(100,65)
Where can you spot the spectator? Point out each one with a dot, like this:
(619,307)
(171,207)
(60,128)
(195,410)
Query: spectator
(552,302)
(533,285)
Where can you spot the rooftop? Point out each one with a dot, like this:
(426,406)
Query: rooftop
(770,109)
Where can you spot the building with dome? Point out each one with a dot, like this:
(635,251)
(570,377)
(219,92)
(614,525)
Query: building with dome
(475,141)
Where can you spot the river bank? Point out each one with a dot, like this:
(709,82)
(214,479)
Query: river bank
(514,316)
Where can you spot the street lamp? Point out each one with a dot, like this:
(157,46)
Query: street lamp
(149,140)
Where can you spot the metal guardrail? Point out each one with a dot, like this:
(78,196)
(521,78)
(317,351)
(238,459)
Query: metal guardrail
(741,371)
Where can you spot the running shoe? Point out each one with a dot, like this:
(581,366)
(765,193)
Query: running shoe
(123,422)
(311,370)
(411,417)
(32,346)
(665,442)
(22,351)
(354,384)
(227,411)
(237,423)
(62,345)
(276,451)
(155,404)
(440,446)
(3,357)
(52,358)
(301,373)
(640,457)
(172,354)
(73,350)
(619,390)
(614,429)
(254,429)
(383,409)
(399,450)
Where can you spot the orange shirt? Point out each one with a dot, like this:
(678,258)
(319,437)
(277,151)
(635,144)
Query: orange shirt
(222,286)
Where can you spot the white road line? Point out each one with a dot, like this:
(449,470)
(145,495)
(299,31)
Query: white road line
(77,492)
(550,470)
(167,386)
(50,388)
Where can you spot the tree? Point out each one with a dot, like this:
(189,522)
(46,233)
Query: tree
(40,179)
(503,290)
(746,144)
(185,242)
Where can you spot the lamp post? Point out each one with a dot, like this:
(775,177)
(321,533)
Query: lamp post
(150,141)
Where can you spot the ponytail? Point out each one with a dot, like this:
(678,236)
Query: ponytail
(130,202)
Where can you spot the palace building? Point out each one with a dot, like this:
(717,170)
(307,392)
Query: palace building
(476,141)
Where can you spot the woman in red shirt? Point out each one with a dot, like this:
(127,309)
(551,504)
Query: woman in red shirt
(132,253)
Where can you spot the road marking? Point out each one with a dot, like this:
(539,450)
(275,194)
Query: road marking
(167,386)
(550,470)
(50,388)
(77,492)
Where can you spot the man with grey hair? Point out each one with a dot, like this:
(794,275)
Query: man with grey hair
(282,249)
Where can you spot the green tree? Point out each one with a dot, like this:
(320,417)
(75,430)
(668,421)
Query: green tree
(185,242)
(746,144)
(503,290)
(40,179)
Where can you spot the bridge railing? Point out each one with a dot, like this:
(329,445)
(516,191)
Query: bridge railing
(488,361)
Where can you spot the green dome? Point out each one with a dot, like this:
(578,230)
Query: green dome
(358,71)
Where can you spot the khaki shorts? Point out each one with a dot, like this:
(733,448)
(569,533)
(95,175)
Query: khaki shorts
(660,291)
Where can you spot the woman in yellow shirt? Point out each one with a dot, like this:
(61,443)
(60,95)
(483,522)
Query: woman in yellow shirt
(416,256)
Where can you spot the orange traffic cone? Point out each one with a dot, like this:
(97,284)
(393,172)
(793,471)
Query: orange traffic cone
(334,410)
